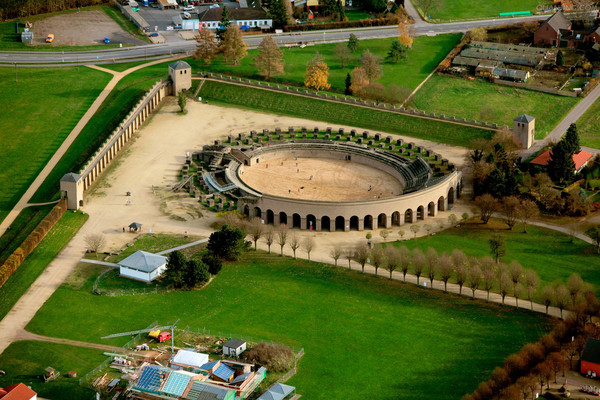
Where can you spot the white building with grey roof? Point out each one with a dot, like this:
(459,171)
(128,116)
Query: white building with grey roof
(143,266)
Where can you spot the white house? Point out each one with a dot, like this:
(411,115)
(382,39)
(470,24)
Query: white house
(234,347)
(143,266)
(245,18)
(187,359)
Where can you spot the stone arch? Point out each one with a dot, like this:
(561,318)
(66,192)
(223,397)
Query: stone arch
(451,196)
(296,221)
(354,223)
(431,209)
(257,212)
(382,220)
(340,224)
(441,204)
(311,222)
(283,218)
(408,216)
(368,222)
(270,217)
(459,189)
(325,223)
(420,213)
(396,218)
(246,210)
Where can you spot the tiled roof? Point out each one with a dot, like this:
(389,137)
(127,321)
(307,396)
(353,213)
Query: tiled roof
(18,391)
(579,158)
(524,118)
(557,22)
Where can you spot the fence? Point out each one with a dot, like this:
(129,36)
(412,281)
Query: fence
(536,88)
(111,147)
(355,101)
(133,16)
(125,292)
(293,370)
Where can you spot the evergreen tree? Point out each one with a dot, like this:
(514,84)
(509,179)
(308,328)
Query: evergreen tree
(225,22)
(353,42)
(396,52)
(561,166)
(278,13)
(560,58)
(175,271)
(227,243)
(195,273)
(341,10)
(348,90)
(495,183)
(182,100)
(572,139)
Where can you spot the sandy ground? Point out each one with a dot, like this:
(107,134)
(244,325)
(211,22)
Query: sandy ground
(81,29)
(150,166)
(320,179)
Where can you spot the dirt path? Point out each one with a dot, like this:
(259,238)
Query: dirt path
(24,335)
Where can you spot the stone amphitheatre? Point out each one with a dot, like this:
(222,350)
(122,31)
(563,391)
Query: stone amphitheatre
(325,182)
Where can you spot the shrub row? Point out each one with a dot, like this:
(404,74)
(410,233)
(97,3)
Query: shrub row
(342,24)
(30,243)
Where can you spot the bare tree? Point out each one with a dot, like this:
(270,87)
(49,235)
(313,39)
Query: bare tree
(575,286)
(343,54)
(528,211)
(207,47)
(269,236)
(95,242)
(405,260)
(562,298)
(378,258)
(336,253)
(282,234)
(309,244)
(349,255)
(361,255)
(511,207)
(504,284)
(532,281)
(234,48)
(486,205)
(419,262)
(459,259)
(517,290)
(415,229)
(371,65)
(475,276)
(452,220)
(428,228)
(489,278)
(294,243)
(432,264)
(256,229)
(548,296)
(384,233)
(269,61)
(515,271)
(392,256)
(401,233)
(556,362)
(429,6)
(497,246)
(446,269)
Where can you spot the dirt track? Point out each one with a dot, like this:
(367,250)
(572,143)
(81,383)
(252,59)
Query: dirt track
(84,28)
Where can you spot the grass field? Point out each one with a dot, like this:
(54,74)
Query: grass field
(116,106)
(373,321)
(425,55)
(548,252)
(45,104)
(452,10)
(335,113)
(465,99)
(58,237)
(589,126)
(25,362)
(22,226)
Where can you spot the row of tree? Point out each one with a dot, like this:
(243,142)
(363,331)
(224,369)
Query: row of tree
(512,209)
(10,9)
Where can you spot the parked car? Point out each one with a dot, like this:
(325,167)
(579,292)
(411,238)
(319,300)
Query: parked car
(50,38)
(188,8)
(106,40)
(153,34)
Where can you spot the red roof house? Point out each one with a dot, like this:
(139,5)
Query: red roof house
(580,159)
(549,31)
(17,392)
(590,358)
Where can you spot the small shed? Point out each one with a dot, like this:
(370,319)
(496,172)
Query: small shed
(143,266)
(135,226)
(234,347)
(278,391)
(590,359)
(26,37)
(189,360)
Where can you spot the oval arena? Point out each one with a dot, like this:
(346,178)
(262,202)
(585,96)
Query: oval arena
(329,185)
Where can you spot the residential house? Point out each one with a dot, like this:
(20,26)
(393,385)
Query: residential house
(18,391)
(245,18)
(549,32)
(580,159)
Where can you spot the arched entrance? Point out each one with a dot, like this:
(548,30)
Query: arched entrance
(311,222)
(368,222)
(451,196)
(296,221)
(325,223)
(395,218)
(408,216)
(382,221)
(246,210)
(270,217)
(354,223)
(431,209)
(420,213)
(340,223)
(257,212)
(441,204)
(283,218)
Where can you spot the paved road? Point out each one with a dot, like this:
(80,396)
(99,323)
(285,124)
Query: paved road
(563,125)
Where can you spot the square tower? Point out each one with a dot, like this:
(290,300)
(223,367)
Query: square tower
(71,187)
(524,130)
(180,73)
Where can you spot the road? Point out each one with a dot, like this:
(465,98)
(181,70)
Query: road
(421,28)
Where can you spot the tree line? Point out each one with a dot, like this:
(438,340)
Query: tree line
(10,9)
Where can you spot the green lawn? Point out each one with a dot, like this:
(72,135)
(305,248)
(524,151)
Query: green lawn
(110,114)
(548,252)
(335,113)
(154,243)
(22,226)
(395,337)
(425,55)
(25,362)
(452,10)
(465,99)
(45,104)
(58,237)
(589,126)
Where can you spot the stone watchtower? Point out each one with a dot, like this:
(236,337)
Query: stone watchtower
(524,130)
(71,187)
(180,73)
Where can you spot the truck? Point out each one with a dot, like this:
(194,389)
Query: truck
(164,336)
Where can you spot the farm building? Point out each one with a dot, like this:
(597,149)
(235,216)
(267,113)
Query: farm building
(189,360)
(580,159)
(18,391)
(278,391)
(590,359)
(549,32)
(143,266)
(167,4)
(234,347)
(245,18)
(192,24)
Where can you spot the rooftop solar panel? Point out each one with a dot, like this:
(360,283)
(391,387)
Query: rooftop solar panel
(176,384)
(150,380)
(224,372)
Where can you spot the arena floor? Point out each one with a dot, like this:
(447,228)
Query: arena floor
(320,179)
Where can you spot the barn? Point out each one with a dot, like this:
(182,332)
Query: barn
(143,266)
(590,359)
